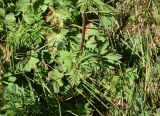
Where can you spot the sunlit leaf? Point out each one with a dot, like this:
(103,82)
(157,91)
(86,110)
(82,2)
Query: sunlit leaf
(2,13)
(113,57)
(56,77)
(10,18)
(31,64)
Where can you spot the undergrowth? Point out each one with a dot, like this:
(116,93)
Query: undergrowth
(79,57)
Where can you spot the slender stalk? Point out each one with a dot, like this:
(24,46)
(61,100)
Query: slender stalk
(83,32)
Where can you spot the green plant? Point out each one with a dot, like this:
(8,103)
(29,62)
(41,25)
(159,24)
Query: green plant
(79,57)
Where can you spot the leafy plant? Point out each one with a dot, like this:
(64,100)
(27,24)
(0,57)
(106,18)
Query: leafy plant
(79,57)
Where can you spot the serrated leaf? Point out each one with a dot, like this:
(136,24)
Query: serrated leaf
(56,77)
(92,31)
(55,74)
(91,43)
(104,49)
(44,7)
(28,18)
(111,57)
(66,59)
(74,78)
(31,64)
(56,88)
(55,38)
(23,5)
(106,21)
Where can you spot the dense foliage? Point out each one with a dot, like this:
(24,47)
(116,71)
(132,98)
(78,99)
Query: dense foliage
(79,57)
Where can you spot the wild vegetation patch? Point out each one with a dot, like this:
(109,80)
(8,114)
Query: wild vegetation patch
(79,57)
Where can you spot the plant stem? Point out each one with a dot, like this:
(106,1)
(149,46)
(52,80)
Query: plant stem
(83,32)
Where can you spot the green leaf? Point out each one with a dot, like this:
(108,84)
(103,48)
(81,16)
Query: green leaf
(56,77)
(31,64)
(132,18)
(157,112)
(55,38)
(10,18)
(66,60)
(29,18)
(106,21)
(74,78)
(10,113)
(113,57)
(23,5)
(91,43)
(9,77)
(16,97)
(12,79)
(2,13)
(92,31)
